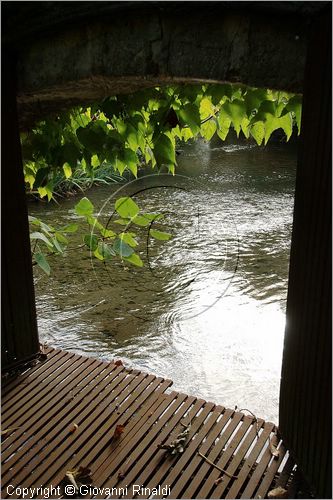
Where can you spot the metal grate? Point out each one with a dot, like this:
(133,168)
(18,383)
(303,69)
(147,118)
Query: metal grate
(41,406)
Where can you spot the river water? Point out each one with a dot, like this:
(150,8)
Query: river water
(208,308)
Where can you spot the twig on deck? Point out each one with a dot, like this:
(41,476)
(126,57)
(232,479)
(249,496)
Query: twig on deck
(217,467)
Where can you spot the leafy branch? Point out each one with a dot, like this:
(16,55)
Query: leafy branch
(103,243)
(121,133)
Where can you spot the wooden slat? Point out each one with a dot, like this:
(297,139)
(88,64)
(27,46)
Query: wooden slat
(250,462)
(62,418)
(259,472)
(270,473)
(226,455)
(12,388)
(9,384)
(41,394)
(148,434)
(97,396)
(250,438)
(197,466)
(55,458)
(149,461)
(40,416)
(113,459)
(167,471)
(99,433)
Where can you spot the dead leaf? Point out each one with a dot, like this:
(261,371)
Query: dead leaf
(77,477)
(73,428)
(119,362)
(7,431)
(277,493)
(118,431)
(274,451)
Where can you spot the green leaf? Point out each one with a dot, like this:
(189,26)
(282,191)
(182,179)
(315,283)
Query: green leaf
(34,220)
(160,235)
(67,170)
(294,105)
(126,207)
(253,99)
(171,169)
(121,248)
(95,161)
(42,262)
(236,111)
(119,165)
(45,191)
(98,255)
(106,251)
(224,123)
(132,137)
(131,161)
(273,124)
(60,237)
(107,233)
(140,220)
(84,207)
(187,134)
(91,241)
(218,92)
(164,150)
(123,222)
(286,123)
(206,108)
(208,129)
(267,111)
(128,238)
(134,259)
(57,245)
(40,236)
(190,116)
(30,179)
(245,127)
(46,228)
(71,228)
(257,131)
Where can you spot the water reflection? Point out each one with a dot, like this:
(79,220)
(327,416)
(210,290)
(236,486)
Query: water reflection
(215,332)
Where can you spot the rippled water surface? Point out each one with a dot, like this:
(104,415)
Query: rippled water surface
(208,309)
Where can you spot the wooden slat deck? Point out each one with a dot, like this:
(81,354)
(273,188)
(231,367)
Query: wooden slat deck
(41,405)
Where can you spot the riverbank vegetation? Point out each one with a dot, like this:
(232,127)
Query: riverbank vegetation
(110,141)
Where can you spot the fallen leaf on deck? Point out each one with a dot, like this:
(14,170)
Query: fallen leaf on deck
(76,477)
(74,428)
(7,431)
(274,451)
(277,493)
(118,431)
(177,446)
(119,362)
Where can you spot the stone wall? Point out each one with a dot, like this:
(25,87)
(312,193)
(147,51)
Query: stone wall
(78,54)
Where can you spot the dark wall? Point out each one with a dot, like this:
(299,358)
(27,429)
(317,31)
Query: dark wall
(19,337)
(306,389)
